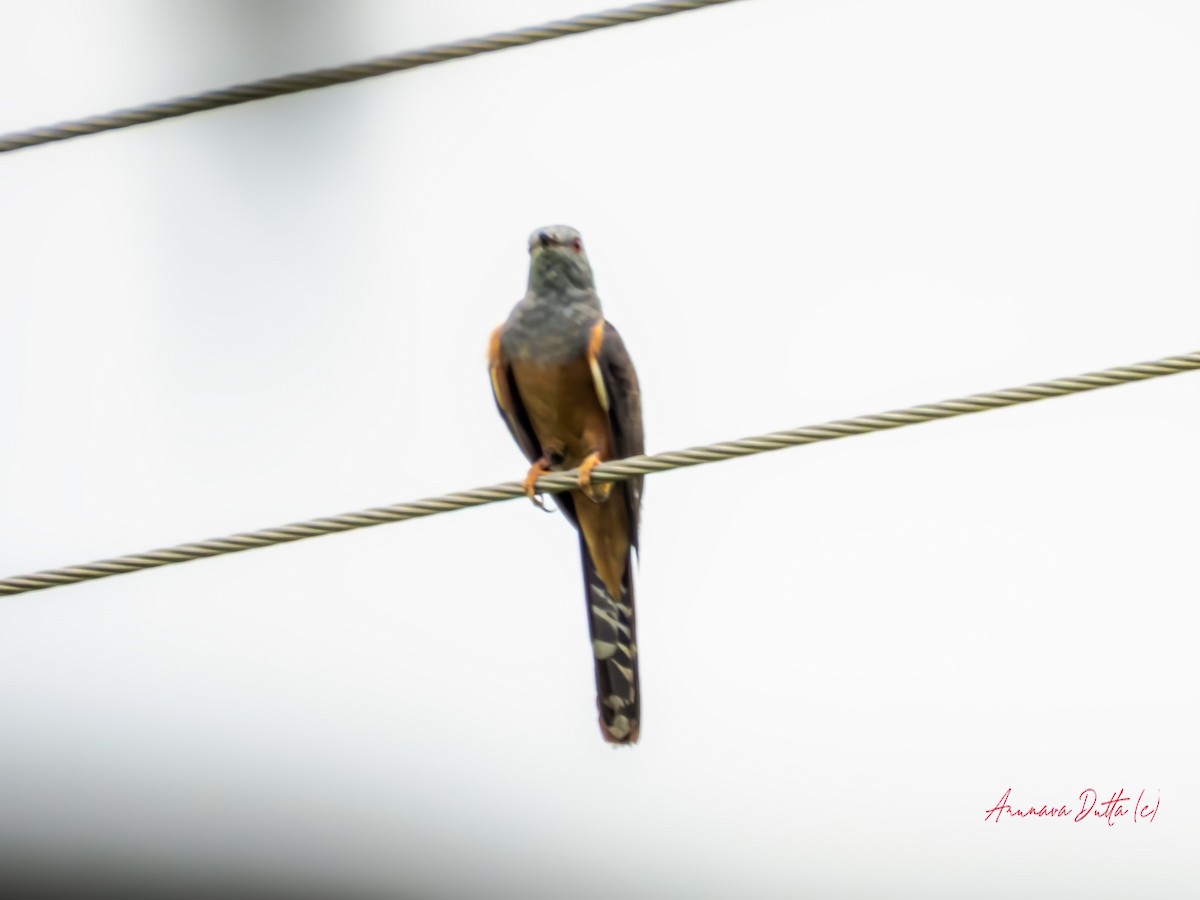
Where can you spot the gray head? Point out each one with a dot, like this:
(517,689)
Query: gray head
(557,260)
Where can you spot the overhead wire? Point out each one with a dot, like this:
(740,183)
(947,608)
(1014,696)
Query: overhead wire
(617,470)
(321,78)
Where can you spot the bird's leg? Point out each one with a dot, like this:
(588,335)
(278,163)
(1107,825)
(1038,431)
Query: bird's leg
(597,493)
(536,471)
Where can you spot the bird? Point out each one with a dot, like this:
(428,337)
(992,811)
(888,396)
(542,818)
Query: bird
(569,394)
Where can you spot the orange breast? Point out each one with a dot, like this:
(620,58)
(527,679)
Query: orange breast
(564,410)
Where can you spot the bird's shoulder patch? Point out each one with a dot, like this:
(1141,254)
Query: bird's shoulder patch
(496,366)
(595,342)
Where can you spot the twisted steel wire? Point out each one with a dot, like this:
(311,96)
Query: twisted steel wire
(614,471)
(319,78)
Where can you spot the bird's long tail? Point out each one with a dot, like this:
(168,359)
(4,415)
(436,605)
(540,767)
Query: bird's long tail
(614,644)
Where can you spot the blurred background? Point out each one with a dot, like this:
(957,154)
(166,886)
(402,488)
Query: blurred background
(796,212)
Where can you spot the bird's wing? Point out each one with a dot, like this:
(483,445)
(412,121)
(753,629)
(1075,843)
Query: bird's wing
(508,400)
(622,398)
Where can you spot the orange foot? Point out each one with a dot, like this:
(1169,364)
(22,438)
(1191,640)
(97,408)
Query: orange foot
(597,493)
(539,468)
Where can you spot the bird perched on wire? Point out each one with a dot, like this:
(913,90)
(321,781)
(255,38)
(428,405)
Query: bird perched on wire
(569,394)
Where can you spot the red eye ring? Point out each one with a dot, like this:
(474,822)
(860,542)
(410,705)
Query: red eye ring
(577,244)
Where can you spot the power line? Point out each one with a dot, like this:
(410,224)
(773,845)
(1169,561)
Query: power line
(609,471)
(319,78)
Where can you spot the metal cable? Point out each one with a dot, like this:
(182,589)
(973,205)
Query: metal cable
(609,471)
(319,78)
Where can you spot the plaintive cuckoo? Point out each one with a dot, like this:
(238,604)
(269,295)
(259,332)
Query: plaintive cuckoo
(569,395)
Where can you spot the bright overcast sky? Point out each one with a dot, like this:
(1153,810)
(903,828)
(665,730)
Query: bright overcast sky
(796,211)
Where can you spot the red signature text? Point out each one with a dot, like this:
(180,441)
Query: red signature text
(1113,810)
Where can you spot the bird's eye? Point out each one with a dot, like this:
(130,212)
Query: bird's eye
(578,245)
(544,239)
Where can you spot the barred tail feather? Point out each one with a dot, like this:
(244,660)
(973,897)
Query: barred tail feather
(614,645)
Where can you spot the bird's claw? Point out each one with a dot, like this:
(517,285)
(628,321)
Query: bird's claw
(538,469)
(597,493)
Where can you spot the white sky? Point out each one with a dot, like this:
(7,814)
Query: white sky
(796,212)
